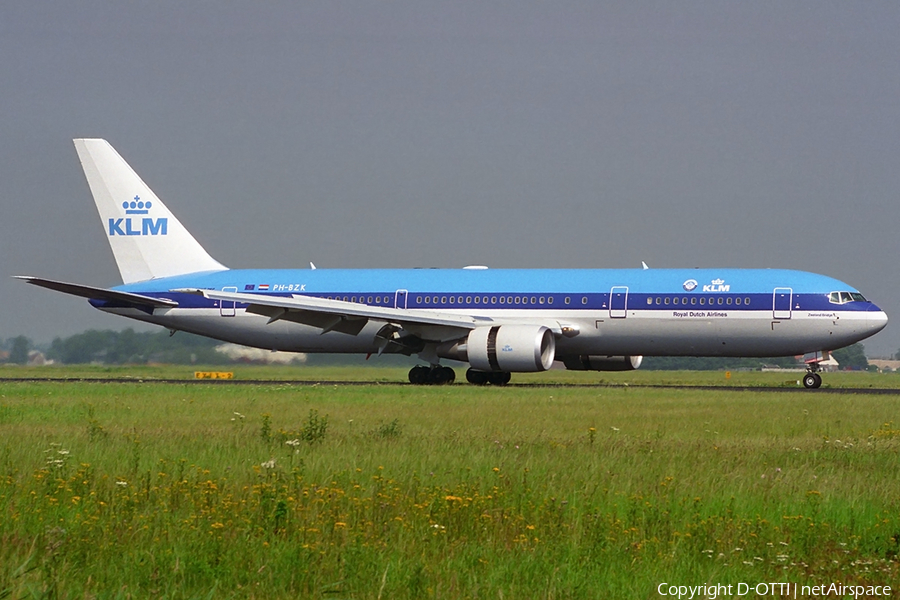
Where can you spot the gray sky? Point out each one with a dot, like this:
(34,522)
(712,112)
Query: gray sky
(406,134)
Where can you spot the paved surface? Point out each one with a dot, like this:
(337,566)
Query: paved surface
(299,382)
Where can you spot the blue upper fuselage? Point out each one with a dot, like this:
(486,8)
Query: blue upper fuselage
(563,288)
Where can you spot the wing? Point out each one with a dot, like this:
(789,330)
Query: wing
(349,317)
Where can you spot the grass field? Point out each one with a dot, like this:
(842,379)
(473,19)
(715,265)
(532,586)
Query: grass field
(158,490)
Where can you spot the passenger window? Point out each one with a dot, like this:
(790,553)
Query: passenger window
(477,299)
(702,300)
(719,301)
(658,301)
(728,301)
(737,301)
(452,300)
(746,301)
(649,300)
(667,301)
(694,300)
(675,300)
(517,300)
(541,300)
(534,300)
(584,299)
(549,299)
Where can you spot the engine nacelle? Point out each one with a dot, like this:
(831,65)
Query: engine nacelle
(587,362)
(510,348)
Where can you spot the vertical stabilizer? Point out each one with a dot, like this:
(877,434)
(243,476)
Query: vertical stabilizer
(146,239)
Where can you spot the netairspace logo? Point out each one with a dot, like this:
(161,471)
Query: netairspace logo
(138,226)
(774,590)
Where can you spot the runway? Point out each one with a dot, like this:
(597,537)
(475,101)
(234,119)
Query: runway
(313,383)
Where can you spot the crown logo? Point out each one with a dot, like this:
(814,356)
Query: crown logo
(137,206)
(718,281)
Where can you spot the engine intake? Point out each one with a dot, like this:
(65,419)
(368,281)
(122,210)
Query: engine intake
(510,348)
(587,362)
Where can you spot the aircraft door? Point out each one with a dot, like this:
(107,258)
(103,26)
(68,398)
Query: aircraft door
(781,303)
(400,299)
(618,302)
(226,307)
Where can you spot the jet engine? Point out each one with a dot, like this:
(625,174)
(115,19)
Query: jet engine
(587,362)
(510,348)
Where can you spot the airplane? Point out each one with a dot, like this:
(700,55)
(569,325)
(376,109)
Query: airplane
(499,321)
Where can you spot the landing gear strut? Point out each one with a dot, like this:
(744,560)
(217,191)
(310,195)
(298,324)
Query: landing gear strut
(484,377)
(436,375)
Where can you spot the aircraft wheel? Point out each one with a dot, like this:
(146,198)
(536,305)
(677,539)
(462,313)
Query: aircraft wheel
(441,375)
(477,377)
(499,377)
(812,381)
(418,375)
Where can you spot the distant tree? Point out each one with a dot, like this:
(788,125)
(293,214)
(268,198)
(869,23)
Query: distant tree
(852,357)
(130,347)
(897,356)
(18,353)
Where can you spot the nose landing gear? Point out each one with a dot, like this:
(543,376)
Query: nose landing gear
(812,380)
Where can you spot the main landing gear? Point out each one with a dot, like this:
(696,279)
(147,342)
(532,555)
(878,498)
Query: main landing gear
(485,377)
(436,375)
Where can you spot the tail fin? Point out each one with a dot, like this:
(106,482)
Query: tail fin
(146,239)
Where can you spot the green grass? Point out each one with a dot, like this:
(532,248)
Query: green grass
(184,491)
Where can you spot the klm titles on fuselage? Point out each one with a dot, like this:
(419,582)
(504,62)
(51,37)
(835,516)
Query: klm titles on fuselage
(138,226)
(716,285)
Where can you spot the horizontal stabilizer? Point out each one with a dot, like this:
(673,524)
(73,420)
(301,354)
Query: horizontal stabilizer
(94,293)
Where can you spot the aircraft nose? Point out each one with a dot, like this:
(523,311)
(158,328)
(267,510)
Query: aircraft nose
(876,319)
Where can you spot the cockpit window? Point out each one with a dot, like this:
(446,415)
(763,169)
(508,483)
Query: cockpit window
(844,297)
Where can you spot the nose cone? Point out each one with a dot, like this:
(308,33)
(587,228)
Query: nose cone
(876,320)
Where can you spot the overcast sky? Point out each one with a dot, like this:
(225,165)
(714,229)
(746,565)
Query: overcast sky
(408,134)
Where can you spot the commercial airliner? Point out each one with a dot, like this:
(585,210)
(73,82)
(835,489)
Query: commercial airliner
(499,321)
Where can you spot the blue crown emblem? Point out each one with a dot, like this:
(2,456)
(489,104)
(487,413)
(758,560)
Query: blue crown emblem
(137,206)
